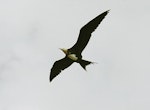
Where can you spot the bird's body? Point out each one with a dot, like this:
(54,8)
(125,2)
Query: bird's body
(73,54)
(73,57)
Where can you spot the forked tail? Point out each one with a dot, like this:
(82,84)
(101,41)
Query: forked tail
(84,63)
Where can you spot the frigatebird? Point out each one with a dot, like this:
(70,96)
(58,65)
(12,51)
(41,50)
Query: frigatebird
(73,54)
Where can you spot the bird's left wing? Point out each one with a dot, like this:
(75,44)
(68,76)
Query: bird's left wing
(86,31)
(59,66)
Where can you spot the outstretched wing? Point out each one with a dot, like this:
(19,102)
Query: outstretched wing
(85,32)
(59,66)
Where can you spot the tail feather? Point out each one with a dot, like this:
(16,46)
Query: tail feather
(84,63)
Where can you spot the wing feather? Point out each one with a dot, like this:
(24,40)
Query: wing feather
(58,66)
(86,31)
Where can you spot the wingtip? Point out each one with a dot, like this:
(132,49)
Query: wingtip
(108,11)
(50,80)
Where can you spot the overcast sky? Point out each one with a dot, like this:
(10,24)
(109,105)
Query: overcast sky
(31,33)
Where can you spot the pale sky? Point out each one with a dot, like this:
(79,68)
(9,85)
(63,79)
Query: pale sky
(31,33)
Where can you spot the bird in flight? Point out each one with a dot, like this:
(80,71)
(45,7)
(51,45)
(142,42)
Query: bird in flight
(73,54)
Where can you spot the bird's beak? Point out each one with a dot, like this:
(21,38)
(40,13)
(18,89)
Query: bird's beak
(64,50)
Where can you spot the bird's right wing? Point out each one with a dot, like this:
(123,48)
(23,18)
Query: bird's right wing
(59,66)
(86,31)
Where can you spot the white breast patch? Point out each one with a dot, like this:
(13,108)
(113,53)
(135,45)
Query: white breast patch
(73,57)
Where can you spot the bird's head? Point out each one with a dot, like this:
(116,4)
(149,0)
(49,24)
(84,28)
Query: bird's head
(64,50)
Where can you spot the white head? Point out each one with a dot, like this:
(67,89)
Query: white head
(64,50)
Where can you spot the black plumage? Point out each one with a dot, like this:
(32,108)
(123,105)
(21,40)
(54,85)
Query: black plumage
(74,53)
(59,66)
(86,31)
